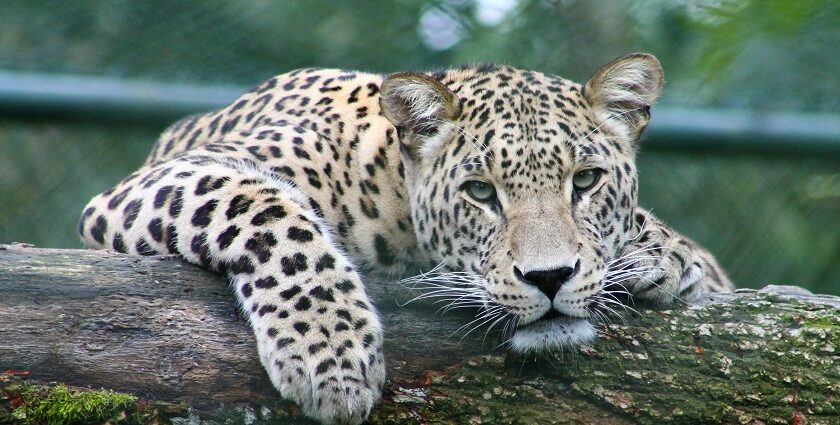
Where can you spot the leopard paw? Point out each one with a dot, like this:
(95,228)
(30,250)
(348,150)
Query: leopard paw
(333,367)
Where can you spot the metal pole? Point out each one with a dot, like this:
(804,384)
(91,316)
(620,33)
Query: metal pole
(34,95)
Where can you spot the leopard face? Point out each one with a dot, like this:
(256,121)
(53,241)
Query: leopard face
(529,186)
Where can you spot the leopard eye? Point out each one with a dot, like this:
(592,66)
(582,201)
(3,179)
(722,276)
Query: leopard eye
(585,179)
(480,191)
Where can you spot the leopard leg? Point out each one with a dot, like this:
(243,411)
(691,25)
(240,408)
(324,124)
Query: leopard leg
(663,267)
(318,336)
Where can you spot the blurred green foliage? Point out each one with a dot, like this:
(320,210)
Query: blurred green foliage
(769,219)
(49,170)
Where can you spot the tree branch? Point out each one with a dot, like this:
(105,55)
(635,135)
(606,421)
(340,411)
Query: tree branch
(169,333)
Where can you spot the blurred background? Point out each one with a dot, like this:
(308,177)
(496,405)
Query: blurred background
(743,153)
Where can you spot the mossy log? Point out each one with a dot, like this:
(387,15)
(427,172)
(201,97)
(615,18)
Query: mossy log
(168,334)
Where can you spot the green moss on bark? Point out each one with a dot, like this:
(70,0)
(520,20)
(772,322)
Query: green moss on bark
(28,403)
(59,405)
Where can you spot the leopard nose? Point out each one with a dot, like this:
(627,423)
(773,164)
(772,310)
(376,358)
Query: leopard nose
(549,281)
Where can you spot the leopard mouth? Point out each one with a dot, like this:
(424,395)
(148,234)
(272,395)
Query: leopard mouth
(553,331)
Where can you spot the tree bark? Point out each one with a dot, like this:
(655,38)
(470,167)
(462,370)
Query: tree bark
(169,333)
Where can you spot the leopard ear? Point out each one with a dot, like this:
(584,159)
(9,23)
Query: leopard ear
(417,104)
(622,92)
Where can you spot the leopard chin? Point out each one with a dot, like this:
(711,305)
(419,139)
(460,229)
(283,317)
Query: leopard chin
(553,334)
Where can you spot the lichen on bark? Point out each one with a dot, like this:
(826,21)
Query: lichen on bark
(761,357)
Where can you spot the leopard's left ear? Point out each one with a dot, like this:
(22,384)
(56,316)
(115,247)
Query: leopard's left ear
(622,92)
(418,104)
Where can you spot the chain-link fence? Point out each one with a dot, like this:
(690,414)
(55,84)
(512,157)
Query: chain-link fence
(770,218)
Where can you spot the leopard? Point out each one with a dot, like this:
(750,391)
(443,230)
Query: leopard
(519,185)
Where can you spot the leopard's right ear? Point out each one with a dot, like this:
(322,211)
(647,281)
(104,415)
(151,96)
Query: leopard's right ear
(418,105)
(622,92)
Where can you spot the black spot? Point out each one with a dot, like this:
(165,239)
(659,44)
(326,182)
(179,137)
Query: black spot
(361,304)
(345,286)
(283,342)
(301,327)
(354,95)
(203,185)
(201,217)
(316,209)
(242,265)
(326,262)
(214,125)
(131,210)
(315,348)
(294,264)
(229,124)
(312,177)
(161,196)
(266,282)
(119,244)
(300,153)
(324,330)
(268,308)
(299,235)
(367,340)
(284,170)
(226,238)
(361,323)
(271,213)
(246,290)
(117,199)
(97,231)
(207,184)
(171,239)
(177,203)
(156,229)
(199,247)
(383,251)
(371,211)
(322,294)
(271,332)
(255,151)
(344,314)
(325,366)
(303,304)
(261,245)
(291,292)
(238,205)
(85,215)
(143,247)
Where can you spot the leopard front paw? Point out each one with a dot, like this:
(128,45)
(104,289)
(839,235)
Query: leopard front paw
(663,275)
(332,364)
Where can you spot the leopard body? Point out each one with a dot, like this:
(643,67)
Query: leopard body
(316,175)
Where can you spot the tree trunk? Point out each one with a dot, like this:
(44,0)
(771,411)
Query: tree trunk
(168,333)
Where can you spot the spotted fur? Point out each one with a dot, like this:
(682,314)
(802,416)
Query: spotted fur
(316,173)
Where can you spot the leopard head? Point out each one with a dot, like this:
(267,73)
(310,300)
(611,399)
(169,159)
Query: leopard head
(523,186)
